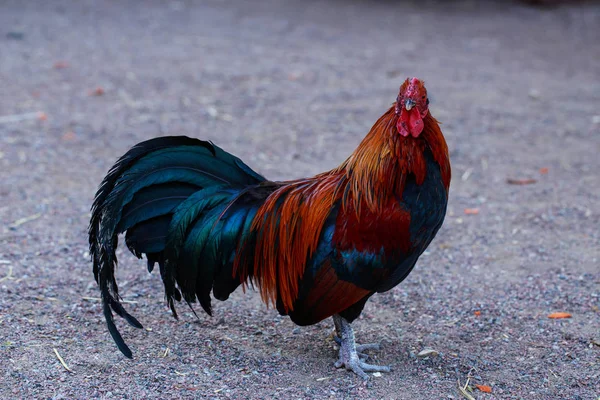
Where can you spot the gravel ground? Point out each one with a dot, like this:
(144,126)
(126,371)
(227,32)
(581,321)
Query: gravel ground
(291,88)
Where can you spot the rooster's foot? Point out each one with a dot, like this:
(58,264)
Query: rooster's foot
(360,348)
(350,353)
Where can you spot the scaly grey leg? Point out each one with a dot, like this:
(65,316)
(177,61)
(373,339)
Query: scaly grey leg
(349,357)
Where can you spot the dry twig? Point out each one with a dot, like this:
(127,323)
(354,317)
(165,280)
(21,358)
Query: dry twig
(9,275)
(463,390)
(99,299)
(512,181)
(24,220)
(64,364)
(21,117)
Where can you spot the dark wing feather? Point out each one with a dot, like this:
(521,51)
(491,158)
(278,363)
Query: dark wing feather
(327,295)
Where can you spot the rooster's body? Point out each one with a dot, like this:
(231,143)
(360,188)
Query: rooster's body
(315,247)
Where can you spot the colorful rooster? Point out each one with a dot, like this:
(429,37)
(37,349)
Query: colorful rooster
(315,247)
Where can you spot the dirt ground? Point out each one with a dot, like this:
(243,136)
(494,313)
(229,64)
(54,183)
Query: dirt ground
(291,88)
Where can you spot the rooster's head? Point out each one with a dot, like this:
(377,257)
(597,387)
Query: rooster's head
(412,105)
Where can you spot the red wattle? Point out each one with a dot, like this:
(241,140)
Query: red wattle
(402,125)
(410,123)
(415,123)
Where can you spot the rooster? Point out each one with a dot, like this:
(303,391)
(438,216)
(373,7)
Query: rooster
(315,248)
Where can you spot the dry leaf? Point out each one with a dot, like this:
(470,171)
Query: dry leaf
(471,211)
(42,116)
(477,313)
(544,171)
(484,388)
(69,136)
(559,315)
(520,181)
(60,65)
(99,91)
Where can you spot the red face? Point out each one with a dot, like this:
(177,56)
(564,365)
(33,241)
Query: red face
(412,105)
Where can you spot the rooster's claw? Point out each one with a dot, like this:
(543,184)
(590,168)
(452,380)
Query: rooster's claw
(359,367)
(350,353)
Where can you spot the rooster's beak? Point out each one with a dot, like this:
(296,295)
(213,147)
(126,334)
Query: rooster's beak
(408,104)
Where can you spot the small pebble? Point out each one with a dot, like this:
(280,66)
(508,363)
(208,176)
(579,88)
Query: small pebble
(534,94)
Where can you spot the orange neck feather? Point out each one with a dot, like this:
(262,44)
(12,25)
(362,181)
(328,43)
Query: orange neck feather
(290,221)
(378,168)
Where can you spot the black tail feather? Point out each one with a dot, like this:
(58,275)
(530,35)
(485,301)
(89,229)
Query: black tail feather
(131,200)
(108,183)
(118,308)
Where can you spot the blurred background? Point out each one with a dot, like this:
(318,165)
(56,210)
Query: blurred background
(291,88)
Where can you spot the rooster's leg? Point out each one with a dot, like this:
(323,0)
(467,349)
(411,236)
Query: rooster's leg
(359,347)
(349,351)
